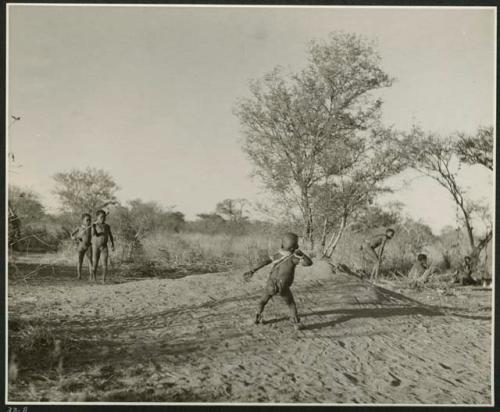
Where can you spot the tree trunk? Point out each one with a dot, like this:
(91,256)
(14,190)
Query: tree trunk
(324,234)
(484,242)
(476,251)
(130,251)
(470,233)
(308,219)
(334,240)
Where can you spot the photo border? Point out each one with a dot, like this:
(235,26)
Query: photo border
(116,406)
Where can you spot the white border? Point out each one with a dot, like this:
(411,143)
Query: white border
(493,239)
(263,6)
(8,6)
(7,136)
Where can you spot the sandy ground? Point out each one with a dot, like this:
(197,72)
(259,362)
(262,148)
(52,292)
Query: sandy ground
(192,340)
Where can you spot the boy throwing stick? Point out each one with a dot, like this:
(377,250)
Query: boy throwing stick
(281,276)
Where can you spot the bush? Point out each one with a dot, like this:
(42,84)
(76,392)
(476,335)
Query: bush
(41,237)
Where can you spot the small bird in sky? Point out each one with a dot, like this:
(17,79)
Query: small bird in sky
(16,117)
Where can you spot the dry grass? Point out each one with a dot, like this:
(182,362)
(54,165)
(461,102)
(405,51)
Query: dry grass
(163,253)
(211,253)
(31,336)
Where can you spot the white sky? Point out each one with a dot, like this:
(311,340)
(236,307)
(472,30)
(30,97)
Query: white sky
(147,93)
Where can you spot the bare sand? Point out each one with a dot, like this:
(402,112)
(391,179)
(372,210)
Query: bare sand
(192,340)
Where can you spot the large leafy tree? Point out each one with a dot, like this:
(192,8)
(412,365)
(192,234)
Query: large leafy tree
(292,120)
(86,190)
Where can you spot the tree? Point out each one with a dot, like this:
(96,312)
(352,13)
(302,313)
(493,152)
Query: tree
(208,223)
(84,191)
(344,197)
(24,206)
(173,221)
(292,121)
(375,216)
(39,230)
(435,157)
(477,148)
(232,209)
(27,204)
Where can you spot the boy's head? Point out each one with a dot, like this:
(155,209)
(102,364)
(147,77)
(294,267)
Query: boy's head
(467,259)
(290,242)
(86,218)
(389,233)
(101,216)
(422,257)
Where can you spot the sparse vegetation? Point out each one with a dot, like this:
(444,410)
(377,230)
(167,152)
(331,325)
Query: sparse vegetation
(317,142)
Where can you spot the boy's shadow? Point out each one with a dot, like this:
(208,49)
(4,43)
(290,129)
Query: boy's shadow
(359,313)
(367,313)
(383,296)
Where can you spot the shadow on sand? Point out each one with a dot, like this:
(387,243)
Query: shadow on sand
(401,305)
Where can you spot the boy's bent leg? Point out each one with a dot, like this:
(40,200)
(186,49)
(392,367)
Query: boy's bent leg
(262,304)
(292,307)
(105,257)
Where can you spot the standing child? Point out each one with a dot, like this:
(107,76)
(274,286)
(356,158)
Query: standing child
(101,232)
(82,235)
(281,276)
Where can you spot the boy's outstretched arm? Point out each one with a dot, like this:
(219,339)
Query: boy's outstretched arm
(247,275)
